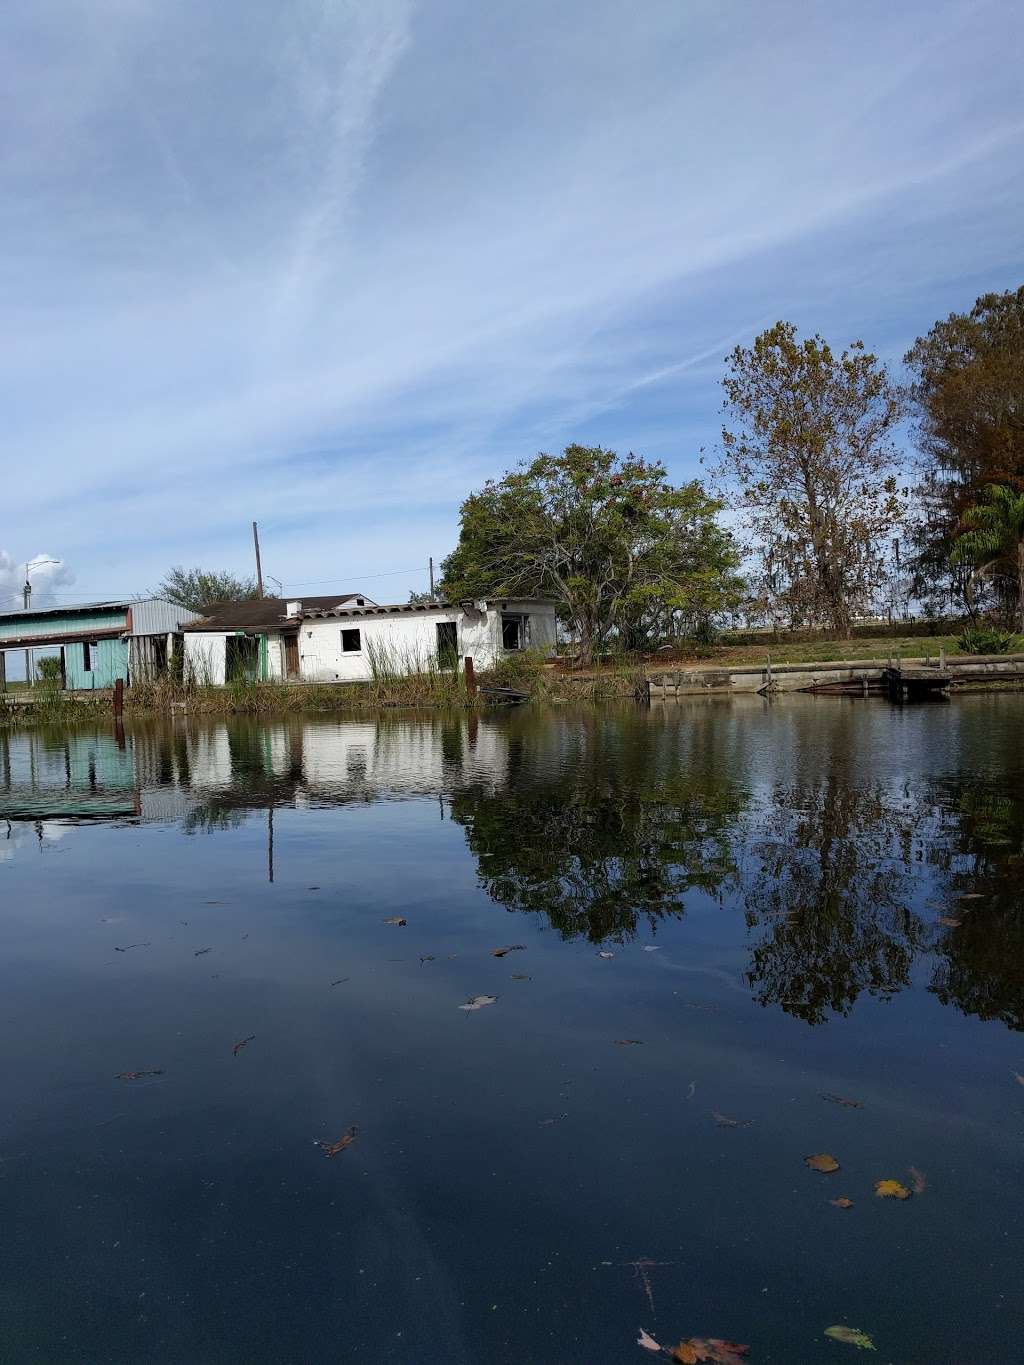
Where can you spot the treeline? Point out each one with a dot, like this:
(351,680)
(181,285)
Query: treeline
(846,493)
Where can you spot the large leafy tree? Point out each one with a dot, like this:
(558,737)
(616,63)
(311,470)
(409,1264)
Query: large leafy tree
(808,457)
(992,541)
(968,389)
(617,545)
(201,589)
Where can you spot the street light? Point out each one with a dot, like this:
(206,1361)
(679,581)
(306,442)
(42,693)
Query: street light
(27,599)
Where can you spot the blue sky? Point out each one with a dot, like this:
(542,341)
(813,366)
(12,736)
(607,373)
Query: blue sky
(331,265)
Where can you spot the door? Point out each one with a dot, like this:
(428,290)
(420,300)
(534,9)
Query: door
(447,644)
(291,656)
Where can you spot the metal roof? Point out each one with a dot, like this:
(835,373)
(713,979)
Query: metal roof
(410,608)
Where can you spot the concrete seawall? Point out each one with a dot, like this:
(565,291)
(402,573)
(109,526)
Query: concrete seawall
(842,677)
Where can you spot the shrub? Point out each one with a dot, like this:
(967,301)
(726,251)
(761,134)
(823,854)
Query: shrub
(984,640)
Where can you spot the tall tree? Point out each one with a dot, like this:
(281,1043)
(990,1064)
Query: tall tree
(810,461)
(201,589)
(992,540)
(610,539)
(968,390)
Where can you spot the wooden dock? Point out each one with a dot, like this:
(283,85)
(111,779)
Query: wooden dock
(914,683)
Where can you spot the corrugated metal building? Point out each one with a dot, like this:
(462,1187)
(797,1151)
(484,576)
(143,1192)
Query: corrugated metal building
(98,642)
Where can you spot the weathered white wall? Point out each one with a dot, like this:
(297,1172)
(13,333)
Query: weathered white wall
(411,640)
(204,656)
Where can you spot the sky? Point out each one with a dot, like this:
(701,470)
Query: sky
(331,264)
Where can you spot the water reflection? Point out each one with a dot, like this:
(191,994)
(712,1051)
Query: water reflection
(842,835)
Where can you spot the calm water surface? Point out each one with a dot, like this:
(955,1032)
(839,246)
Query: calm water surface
(807,899)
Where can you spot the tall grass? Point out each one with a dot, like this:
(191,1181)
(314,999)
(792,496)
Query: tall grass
(405,675)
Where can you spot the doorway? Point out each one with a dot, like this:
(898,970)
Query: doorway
(291,656)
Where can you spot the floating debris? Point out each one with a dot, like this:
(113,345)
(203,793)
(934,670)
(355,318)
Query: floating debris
(129,946)
(242,1042)
(341,981)
(628,1042)
(346,1140)
(652,948)
(396,919)
(842,1202)
(917,1180)
(823,1162)
(138,1075)
(201,951)
(606,955)
(841,1099)
(724,1122)
(891,1189)
(510,948)
(521,976)
(853,1336)
(426,957)
(478,1002)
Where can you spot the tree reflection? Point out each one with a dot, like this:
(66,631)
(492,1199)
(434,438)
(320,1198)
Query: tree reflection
(600,826)
(981,968)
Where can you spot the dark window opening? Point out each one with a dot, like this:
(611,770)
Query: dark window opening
(360,602)
(351,642)
(87,655)
(514,632)
(241,658)
(447,644)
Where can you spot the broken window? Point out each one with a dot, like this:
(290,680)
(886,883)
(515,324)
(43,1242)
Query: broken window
(351,641)
(514,631)
(447,644)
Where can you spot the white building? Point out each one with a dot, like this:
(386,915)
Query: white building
(341,639)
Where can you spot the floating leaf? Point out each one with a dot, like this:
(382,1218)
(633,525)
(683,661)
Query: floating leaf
(842,1202)
(891,1189)
(606,954)
(918,1180)
(510,948)
(628,1042)
(652,948)
(478,1002)
(685,1353)
(242,1042)
(396,919)
(724,1122)
(698,1349)
(333,1148)
(853,1336)
(201,952)
(136,1075)
(823,1162)
(647,1341)
(841,1099)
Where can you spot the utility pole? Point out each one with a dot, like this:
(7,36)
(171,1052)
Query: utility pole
(259,566)
(431,577)
(26,597)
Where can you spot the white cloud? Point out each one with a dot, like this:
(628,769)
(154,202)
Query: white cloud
(46,577)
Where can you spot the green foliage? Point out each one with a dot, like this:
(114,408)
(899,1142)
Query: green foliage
(620,549)
(992,540)
(984,640)
(48,670)
(809,457)
(968,390)
(202,589)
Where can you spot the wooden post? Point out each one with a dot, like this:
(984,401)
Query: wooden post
(119,699)
(942,658)
(3,671)
(470,676)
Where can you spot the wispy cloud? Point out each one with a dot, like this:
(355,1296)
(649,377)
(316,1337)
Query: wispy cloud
(422,241)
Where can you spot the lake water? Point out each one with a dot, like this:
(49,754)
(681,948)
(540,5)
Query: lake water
(720,914)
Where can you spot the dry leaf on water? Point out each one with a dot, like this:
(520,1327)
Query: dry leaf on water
(917,1180)
(841,1099)
(510,948)
(647,1341)
(842,1202)
(136,1075)
(242,1042)
(478,1002)
(396,919)
(628,1042)
(853,1336)
(333,1148)
(823,1162)
(724,1122)
(714,1349)
(891,1189)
